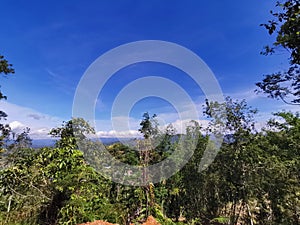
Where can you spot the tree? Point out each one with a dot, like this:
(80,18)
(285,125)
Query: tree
(149,129)
(5,68)
(20,148)
(149,126)
(53,185)
(277,171)
(22,140)
(72,132)
(284,85)
(221,192)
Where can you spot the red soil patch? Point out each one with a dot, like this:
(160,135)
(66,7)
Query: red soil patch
(97,222)
(150,221)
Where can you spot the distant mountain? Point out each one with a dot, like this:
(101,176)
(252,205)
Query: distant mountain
(40,143)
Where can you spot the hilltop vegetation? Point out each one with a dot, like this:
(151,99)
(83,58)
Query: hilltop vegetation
(253,180)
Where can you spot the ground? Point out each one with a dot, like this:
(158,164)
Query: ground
(149,221)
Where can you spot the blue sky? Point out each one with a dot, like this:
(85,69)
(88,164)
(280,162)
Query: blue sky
(52,43)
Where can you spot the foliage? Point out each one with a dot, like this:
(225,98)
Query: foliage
(5,68)
(149,126)
(279,191)
(53,186)
(284,85)
(72,132)
(254,179)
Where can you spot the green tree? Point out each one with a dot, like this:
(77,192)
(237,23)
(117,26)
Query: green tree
(72,132)
(284,85)
(222,191)
(5,69)
(54,186)
(149,129)
(277,171)
(149,126)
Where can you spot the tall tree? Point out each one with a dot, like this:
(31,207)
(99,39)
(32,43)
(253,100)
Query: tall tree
(149,129)
(148,126)
(277,171)
(221,192)
(284,85)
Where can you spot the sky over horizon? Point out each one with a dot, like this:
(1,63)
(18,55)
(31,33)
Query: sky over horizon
(52,43)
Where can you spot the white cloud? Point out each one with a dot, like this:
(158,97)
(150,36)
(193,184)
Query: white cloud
(21,117)
(123,134)
(123,126)
(16,125)
(40,124)
(181,125)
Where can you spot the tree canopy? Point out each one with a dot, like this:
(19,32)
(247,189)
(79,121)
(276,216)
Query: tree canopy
(5,69)
(285,24)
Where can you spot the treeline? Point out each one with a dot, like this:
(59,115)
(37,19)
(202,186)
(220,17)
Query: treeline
(254,178)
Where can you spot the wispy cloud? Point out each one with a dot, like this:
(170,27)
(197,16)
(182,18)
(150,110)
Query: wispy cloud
(61,82)
(119,134)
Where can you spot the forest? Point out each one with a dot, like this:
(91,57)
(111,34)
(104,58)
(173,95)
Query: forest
(254,178)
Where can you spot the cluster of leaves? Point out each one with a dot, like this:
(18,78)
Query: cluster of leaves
(5,69)
(284,85)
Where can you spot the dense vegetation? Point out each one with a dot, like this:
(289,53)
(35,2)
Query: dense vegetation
(253,180)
